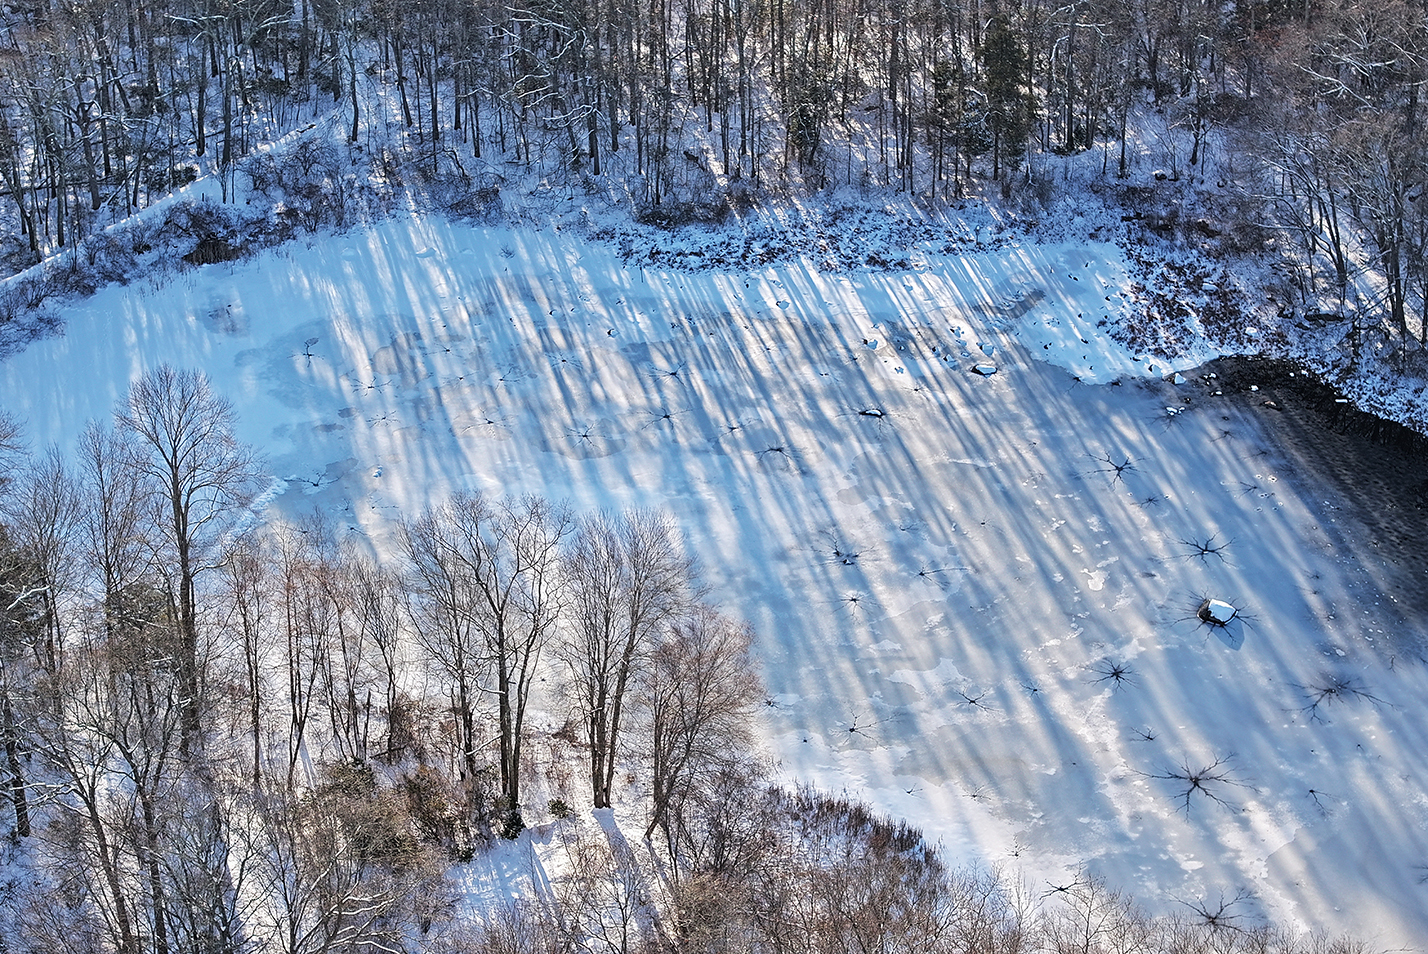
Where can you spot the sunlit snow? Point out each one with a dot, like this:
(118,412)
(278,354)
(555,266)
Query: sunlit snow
(975,600)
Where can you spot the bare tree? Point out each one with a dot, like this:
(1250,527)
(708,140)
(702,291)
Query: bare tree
(81,840)
(338,868)
(487,583)
(208,870)
(37,542)
(17,578)
(22,624)
(248,592)
(523,926)
(204,480)
(601,904)
(41,513)
(344,664)
(113,523)
(12,448)
(1088,915)
(523,593)
(701,694)
(132,698)
(1387,177)
(111,745)
(377,593)
(308,620)
(628,582)
(446,617)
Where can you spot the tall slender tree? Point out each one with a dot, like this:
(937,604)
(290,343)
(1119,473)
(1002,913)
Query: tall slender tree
(1009,102)
(628,583)
(489,578)
(202,481)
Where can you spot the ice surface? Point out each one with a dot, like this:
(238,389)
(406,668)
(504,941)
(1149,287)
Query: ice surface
(1014,539)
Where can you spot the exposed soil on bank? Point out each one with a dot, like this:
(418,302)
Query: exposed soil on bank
(1369,476)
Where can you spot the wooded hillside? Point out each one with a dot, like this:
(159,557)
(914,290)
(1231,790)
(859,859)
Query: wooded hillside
(1291,118)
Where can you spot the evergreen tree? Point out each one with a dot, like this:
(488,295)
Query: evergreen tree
(1009,106)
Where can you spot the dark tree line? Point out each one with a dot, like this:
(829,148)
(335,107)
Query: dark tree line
(1310,107)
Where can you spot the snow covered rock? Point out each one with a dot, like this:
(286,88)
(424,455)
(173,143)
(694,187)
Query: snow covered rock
(1216,612)
(985,370)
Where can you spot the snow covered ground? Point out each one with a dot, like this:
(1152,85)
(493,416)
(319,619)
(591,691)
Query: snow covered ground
(976,594)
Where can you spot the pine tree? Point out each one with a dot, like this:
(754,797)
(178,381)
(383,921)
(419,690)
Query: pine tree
(1009,105)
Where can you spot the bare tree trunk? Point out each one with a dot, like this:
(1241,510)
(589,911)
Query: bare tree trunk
(487,583)
(628,582)
(700,698)
(206,480)
(18,799)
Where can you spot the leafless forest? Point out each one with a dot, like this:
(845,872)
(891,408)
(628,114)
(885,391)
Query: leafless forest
(1243,125)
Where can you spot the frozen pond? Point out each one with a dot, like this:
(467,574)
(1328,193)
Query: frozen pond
(977,595)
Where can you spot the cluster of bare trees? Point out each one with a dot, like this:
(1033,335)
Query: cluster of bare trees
(1348,152)
(219,733)
(496,587)
(102,668)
